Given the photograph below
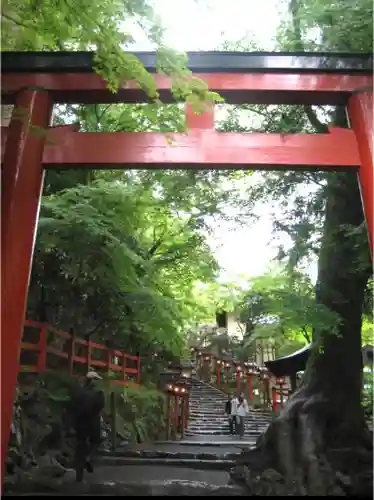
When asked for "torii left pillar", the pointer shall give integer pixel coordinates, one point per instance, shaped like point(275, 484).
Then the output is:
point(21, 189)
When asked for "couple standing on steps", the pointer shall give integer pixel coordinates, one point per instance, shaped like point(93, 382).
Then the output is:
point(236, 410)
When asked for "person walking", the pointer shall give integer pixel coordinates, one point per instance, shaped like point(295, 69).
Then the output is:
point(86, 404)
point(228, 411)
point(234, 413)
point(242, 411)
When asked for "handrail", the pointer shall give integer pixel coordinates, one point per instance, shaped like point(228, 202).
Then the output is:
point(68, 351)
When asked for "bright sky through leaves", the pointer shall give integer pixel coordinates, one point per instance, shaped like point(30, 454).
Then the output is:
point(205, 25)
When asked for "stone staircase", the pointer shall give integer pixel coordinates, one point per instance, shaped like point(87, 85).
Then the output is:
point(207, 416)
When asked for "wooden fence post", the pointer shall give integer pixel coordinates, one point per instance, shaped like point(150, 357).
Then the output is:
point(113, 414)
point(138, 368)
point(124, 364)
point(176, 416)
point(71, 351)
point(183, 416)
point(108, 356)
point(89, 351)
point(168, 413)
point(42, 357)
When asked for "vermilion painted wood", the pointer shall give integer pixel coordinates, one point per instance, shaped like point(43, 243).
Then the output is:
point(202, 149)
point(200, 121)
point(43, 346)
point(22, 181)
point(43, 349)
point(53, 134)
point(250, 387)
point(360, 110)
point(236, 88)
point(22, 174)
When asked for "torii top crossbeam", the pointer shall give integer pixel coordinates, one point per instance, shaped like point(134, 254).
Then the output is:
point(35, 81)
point(240, 77)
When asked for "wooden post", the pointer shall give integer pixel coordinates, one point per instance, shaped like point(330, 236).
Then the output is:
point(113, 414)
point(188, 407)
point(281, 394)
point(89, 351)
point(218, 373)
point(138, 367)
point(250, 386)
point(168, 414)
point(202, 121)
point(108, 359)
point(175, 419)
point(275, 401)
point(266, 391)
point(21, 187)
point(183, 416)
point(360, 112)
point(124, 365)
point(71, 351)
point(42, 357)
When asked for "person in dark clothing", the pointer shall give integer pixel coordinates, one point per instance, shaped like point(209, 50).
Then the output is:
point(230, 416)
point(86, 405)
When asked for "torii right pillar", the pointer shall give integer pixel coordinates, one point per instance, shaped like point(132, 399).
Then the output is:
point(360, 112)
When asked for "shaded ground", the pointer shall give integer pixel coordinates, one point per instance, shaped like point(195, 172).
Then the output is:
point(144, 481)
point(143, 473)
point(165, 469)
point(216, 447)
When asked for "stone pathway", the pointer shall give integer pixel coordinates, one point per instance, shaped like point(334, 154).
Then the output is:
point(197, 465)
point(156, 469)
point(143, 480)
point(218, 440)
point(207, 416)
point(144, 474)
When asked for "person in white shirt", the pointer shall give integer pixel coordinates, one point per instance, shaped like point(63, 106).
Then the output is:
point(234, 412)
point(242, 411)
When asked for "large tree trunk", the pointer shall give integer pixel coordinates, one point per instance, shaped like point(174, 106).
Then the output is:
point(319, 445)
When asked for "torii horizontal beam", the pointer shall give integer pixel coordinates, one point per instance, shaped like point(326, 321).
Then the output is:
point(240, 77)
point(199, 149)
point(235, 88)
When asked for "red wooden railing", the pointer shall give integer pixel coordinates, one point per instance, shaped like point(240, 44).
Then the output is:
point(64, 345)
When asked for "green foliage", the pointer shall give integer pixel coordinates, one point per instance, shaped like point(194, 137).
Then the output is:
point(117, 256)
point(281, 309)
point(107, 28)
point(299, 198)
point(140, 411)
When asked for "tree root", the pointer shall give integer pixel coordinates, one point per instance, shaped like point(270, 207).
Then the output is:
point(302, 453)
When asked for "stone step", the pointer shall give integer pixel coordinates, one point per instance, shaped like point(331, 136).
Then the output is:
point(210, 412)
point(207, 418)
point(218, 419)
point(200, 432)
point(223, 425)
point(221, 411)
point(138, 480)
point(193, 463)
point(206, 396)
point(180, 452)
point(194, 425)
point(224, 429)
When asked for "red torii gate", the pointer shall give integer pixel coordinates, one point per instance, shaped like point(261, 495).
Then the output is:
point(35, 81)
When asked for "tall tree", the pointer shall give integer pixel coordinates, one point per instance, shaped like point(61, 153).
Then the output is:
point(321, 433)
